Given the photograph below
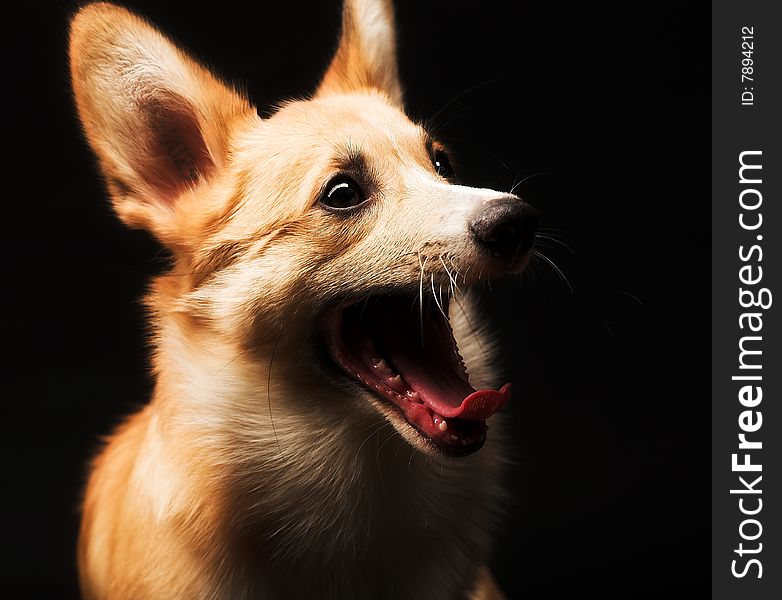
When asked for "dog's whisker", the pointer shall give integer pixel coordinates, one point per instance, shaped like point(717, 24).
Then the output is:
point(364, 306)
point(455, 116)
point(527, 178)
point(366, 439)
point(435, 464)
point(450, 276)
point(454, 283)
point(458, 274)
point(230, 362)
point(421, 294)
point(560, 234)
point(555, 240)
point(466, 274)
point(474, 333)
point(450, 291)
point(515, 179)
point(400, 443)
point(631, 296)
point(456, 279)
point(269, 395)
point(380, 466)
point(440, 306)
point(531, 271)
point(556, 268)
point(488, 152)
point(433, 119)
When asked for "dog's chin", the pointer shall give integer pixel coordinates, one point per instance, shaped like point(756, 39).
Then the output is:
point(403, 352)
point(415, 437)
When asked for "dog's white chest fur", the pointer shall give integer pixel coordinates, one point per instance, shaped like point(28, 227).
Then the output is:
point(328, 503)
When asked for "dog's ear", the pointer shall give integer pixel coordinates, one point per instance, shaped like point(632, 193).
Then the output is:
point(366, 55)
point(159, 123)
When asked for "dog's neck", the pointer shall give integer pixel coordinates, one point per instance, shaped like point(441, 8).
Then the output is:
point(315, 487)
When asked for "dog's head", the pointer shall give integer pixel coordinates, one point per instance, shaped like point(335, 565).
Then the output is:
point(336, 225)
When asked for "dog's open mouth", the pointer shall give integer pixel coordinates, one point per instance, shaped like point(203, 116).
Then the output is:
point(406, 353)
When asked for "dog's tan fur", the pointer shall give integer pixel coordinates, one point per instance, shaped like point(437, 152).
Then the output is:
point(252, 473)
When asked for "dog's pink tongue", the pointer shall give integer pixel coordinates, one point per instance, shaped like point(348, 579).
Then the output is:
point(446, 393)
point(479, 405)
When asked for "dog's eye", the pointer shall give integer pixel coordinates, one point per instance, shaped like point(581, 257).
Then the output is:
point(442, 164)
point(342, 194)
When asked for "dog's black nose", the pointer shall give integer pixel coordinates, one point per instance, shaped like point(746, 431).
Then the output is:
point(505, 228)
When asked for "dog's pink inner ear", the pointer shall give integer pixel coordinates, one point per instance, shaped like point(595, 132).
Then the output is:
point(177, 154)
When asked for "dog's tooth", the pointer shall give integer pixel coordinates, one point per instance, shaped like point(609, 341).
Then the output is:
point(442, 425)
point(395, 382)
point(454, 438)
point(381, 365)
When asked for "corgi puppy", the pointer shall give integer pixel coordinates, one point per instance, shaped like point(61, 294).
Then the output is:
point(319, 426)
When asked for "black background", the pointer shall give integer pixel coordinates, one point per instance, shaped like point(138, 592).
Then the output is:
point(604, 107)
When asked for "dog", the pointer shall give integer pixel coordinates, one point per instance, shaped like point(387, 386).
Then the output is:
point(318, 426)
